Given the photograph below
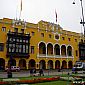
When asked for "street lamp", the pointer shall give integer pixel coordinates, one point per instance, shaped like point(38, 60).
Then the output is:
point(9, 72)
point(82, 19)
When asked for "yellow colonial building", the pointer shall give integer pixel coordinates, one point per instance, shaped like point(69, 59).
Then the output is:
point(43, 45)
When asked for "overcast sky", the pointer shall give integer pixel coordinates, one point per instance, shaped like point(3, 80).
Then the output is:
point(35, 10)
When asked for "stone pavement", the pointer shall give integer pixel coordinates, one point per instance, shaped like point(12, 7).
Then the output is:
point(46, 72)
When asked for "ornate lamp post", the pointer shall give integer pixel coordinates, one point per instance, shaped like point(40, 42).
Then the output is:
point(82, 19)
point(82, 43)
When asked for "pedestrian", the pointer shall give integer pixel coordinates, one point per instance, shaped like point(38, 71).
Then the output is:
point(9, 73)
point(59, 69)
point(73, 70)
point(62, 69)
point(31, 72)
point(41, 72)
point(34, 71)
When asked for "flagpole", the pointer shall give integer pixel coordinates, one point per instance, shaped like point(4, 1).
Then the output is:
point(56, 15)
point(20, 9)
point(20, 15)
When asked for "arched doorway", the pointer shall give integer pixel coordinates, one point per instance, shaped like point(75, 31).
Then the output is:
point(69, 51)
point(49, 49)
point(50, 64)
point(32, 64)
point(22, 64)
point(57, 64)
point(42, 64)
point(63, 50)
point(2, 64)
point(70, 64)
point(57, 49)
point(12, 62)
point(42, 48)
point(64, 64)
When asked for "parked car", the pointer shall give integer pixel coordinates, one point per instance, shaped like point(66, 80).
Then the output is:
point(13, 68)
point(79, 66)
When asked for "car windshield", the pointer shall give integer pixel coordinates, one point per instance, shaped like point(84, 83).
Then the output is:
point(77, 65)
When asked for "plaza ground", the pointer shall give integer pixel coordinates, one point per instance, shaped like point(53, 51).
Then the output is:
point(25, 75)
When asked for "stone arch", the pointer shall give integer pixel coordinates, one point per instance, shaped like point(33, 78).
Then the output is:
point(41, 42)
point(42, 48)
point(57, 64)
point(63, 50)
point(69, 51)
point(57, 49)
point(64, 64)
point(12, 62)
point(32, 64)
point(49, 49)
point(22, 64)
point(70, 64)
point(42, 64)
point(50, 64)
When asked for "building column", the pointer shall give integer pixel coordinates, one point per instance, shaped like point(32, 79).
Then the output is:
point(53, 64)
point(60, 51)
point(66, 52)
point(27, 65)
point(17, 62)
point(38, 51)
point(60, 63)
point(73, 61)
point(6, 64)
point(37, 65)
point(46, 65)
point(67, 65)
point(53, 51)
point(46, 50)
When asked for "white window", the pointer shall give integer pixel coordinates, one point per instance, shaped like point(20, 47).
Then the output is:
point(33, 33)
point(32, 49)
point(20, 48)
point(42, 34)
point(4, 29)
point(57, 36)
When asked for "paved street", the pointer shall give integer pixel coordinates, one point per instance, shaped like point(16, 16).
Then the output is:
point(27, 73)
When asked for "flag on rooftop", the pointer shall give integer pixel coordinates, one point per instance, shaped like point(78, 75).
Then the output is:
point(56, 15)
point(21, 5)
point(20, 9)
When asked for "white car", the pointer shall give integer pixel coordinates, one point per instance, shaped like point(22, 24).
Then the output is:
point(14, 68)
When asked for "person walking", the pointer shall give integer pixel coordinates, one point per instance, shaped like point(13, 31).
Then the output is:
point(41, 72)
point(31, 72)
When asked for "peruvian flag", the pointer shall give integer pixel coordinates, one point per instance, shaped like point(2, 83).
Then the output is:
point(56, 15)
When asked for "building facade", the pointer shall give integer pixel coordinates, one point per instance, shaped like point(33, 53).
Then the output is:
point(82, 51)
point(43, 45)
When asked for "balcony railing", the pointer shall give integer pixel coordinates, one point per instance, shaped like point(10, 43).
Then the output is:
point(41, 55)
point(53, 56)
